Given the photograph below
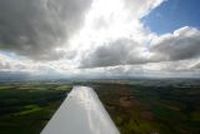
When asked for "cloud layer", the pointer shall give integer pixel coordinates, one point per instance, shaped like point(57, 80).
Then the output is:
point(92, 38)
point(183, 44)
point(118, 52)
point(35, 28)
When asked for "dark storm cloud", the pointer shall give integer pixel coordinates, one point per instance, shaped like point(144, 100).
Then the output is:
point(34, 28)
point(119, 52)
point(183, 44)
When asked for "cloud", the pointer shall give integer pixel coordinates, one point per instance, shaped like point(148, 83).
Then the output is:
point(142, 7)
point(196, 66)
point(35, 28)
point(4, 66)
point(116, 35)
point(8, 64)
point(118, 52)
point(184, 43)
point(93, 38)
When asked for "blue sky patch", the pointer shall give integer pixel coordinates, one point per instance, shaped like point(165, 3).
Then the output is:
point(173, 14)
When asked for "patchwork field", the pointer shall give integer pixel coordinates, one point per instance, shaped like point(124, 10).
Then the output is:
point(136, 106)
point(146, 108)
point(26, 108)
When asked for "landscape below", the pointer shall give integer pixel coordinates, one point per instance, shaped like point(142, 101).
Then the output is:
point(137, 106)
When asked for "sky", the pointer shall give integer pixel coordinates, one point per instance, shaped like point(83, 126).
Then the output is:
point(100, 38)
point(172, 15)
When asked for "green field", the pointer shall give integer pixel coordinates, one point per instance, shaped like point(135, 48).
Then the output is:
point(26, 108)
point(153, 107)
point(136, 106)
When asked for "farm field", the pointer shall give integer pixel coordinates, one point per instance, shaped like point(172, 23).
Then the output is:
point(27, 107)
point(136, 106)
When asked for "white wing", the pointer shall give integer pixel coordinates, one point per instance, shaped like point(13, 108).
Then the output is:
point(81, 113)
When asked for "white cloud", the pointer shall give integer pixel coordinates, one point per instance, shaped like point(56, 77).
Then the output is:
point(107, 38)
point(184, 43)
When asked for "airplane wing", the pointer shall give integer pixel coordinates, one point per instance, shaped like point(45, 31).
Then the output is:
point(81, 113)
